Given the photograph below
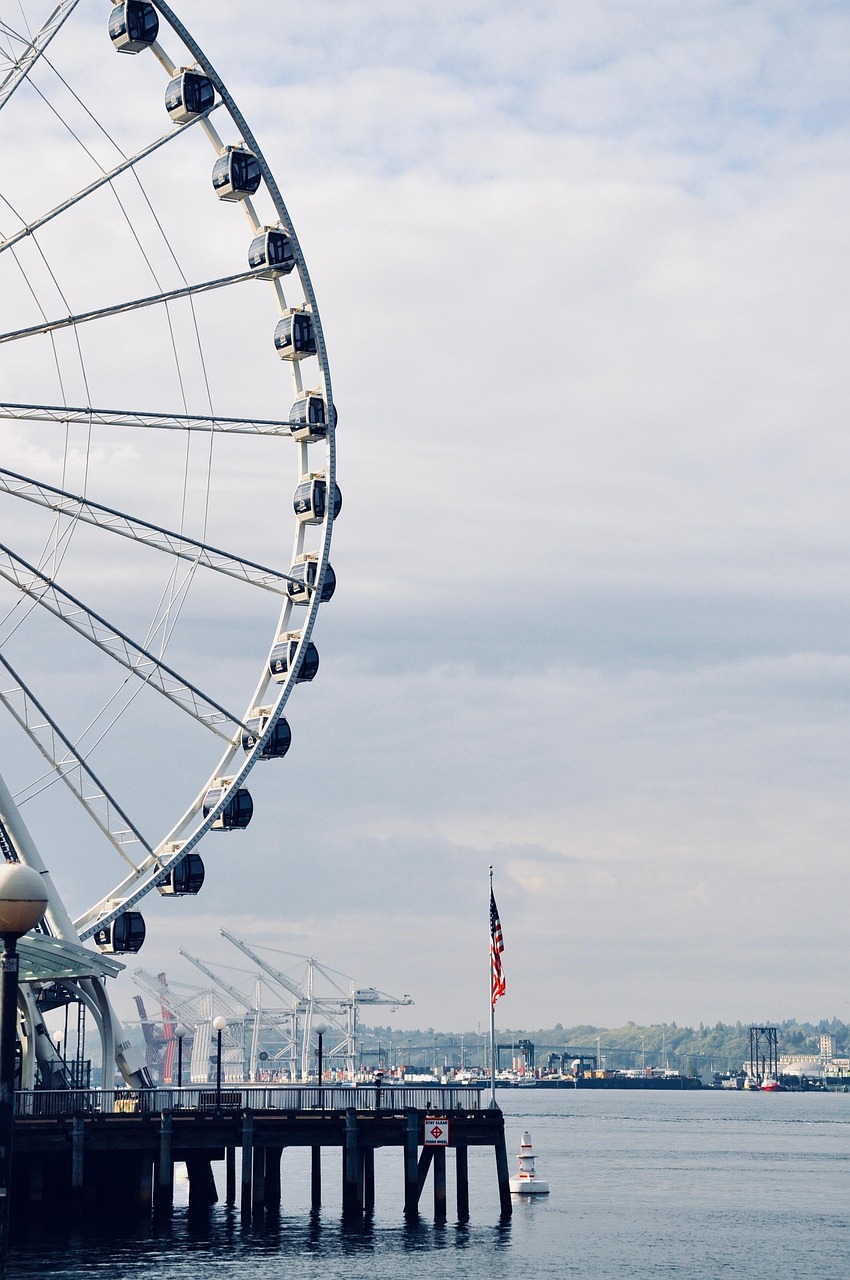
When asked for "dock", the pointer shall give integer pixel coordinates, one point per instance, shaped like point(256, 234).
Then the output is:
point(117, 1149)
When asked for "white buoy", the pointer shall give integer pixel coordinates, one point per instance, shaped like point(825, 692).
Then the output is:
point(526, 1183)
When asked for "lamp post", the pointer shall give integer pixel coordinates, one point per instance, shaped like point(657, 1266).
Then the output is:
point(180, 1034)
point(320, 1028)
point(219, 1024)
point(22, 902)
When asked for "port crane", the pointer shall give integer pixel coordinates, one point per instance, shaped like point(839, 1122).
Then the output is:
point(195, 1015)
point(261, 1030)
point(339, 1011)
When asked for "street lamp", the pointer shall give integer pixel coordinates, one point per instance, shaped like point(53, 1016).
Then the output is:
point(320, 1028)
point(219, 1024)
point(180, 1033)
point(23, 899)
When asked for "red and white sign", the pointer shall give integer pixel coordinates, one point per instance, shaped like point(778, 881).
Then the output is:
point(436, 1131)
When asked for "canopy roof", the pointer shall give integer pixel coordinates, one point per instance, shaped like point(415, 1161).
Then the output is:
point(46, 959)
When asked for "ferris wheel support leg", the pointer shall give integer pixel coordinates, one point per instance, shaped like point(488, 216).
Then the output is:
point(117, 1048)
point(16, 843)
point(31, 1042)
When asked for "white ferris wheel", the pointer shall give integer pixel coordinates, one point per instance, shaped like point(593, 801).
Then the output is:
point(154, 615)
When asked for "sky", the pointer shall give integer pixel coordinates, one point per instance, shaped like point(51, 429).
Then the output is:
point(584, 275)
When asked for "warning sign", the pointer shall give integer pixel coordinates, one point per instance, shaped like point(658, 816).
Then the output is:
point(436, 1131)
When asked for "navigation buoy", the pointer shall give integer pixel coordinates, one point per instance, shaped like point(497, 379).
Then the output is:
point(526, 1183)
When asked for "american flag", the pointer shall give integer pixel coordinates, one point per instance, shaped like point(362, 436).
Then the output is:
point(497, 946)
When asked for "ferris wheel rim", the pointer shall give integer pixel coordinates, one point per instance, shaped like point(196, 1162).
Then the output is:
point(236, 762)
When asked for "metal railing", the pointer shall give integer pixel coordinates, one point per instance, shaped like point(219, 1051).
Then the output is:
point(439, 1098)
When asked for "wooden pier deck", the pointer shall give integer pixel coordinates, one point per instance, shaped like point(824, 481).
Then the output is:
point(88, 1149)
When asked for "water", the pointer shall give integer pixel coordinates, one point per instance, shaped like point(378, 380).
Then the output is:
point(683, 1185)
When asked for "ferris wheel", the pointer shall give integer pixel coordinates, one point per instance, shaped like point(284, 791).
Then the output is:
point(154, 615)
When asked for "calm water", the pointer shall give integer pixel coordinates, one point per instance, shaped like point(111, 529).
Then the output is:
point(673, 1184)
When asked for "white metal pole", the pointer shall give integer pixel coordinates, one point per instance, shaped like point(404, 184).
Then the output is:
point(492, 1006)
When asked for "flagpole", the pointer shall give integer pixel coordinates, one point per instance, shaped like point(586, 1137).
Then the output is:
point(493, 1102)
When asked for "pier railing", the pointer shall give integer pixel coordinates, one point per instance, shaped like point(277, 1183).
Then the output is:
point(438, 1098)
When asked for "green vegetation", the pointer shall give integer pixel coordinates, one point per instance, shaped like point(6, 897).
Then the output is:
point(695, 1050)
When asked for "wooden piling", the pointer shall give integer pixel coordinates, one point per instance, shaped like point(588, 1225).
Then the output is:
point(272, 1193)
point(411, 1172)
point(368, 1156)
point(230, 1175)
point(247, 1161)
point(503, 1173)
point(36, 1181)
point(202, 1188)
point(315, 1177)
point(439, 1183)
point(164, 1194)
point(77, 1161)
point(258, 1191)
point(352, 1181)
point(462, 1182)
point(425, 1161)
point(143, 1179)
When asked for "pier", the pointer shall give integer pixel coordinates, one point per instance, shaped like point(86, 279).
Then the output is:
point(117, 1150)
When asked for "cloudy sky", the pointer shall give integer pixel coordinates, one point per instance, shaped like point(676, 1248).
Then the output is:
point(584, 274)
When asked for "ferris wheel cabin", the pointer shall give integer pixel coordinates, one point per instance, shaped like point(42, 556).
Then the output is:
point(270, 254)
point(236, 174)
point(279, 740)
point(304, 571)
point(188, 95)
point(294, 337)
point(186, 879)
point(236, 813)
point(307, 419)
point(133, 25)
point(283, 657)
point(125, 933)
point(310, 500)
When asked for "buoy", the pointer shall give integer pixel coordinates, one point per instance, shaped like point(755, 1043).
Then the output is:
point(526, 1183)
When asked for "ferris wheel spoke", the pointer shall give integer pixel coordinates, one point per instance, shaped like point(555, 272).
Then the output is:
point(139, 418)
point(116, 643)
point(70, 766)
point(121, 308)
point(217, 799)
point(129, 163)
point(142, 531)
point(34, 48)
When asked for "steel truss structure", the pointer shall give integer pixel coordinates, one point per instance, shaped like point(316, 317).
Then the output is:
point(271, 1031)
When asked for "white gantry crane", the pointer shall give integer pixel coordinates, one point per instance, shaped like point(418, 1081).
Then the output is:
point(263, 1037)
point(255, 1035)
point(339, 1011)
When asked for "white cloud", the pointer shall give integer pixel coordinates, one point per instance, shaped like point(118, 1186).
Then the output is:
point(584, 276)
